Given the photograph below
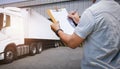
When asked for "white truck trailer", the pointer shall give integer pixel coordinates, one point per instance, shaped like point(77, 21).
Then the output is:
point(23, 31)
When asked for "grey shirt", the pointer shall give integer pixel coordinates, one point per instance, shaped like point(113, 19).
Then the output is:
point(100, 27)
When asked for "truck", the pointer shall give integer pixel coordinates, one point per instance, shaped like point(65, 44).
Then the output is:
point(24, 31)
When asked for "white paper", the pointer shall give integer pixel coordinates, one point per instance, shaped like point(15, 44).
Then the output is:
point(61, 16)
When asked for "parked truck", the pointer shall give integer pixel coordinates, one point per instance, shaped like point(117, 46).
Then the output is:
point(24, 31)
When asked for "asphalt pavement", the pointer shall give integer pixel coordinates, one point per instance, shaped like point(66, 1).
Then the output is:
point(54, 58)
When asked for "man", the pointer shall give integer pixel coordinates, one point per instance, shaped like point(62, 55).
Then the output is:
point(99, 28)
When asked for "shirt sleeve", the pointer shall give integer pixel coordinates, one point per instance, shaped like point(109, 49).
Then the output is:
point(86, 25)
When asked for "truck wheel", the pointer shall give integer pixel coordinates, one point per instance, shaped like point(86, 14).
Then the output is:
point(9, 55)
point(39, 47)
point(57, 44)
point(33, 49)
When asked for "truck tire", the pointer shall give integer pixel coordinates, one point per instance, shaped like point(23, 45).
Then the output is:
point(33, 49)
point(9, 55)
point(57, 44)
point(39, 47)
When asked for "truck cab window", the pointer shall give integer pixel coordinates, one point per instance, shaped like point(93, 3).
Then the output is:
point(1, 20)
point(7, 21)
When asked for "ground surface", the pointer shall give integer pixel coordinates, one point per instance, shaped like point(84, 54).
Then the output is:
point(54, 58)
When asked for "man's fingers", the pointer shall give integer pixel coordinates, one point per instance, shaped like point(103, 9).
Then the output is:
point(57, 22)
point(71, 12)
point(52, 27)
point(70, 16)
point(55, 26)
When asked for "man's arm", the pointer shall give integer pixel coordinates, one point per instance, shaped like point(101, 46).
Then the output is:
point(72, 41)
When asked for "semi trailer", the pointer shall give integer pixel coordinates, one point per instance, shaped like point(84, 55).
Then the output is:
point(24, 31)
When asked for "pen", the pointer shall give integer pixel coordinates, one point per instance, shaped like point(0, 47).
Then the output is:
point(74, 11)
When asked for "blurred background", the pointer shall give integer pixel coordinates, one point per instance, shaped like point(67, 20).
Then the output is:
point(42, 5)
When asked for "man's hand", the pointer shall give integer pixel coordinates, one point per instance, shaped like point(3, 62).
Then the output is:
point(55, 26)
point(74, 16)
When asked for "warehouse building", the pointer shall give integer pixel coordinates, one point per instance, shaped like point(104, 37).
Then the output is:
point(42, 5)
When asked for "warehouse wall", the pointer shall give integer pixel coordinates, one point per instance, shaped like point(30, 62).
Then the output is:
point(42, 5)
point(80, 5)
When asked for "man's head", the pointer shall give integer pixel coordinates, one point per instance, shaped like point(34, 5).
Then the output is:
point(94, 1)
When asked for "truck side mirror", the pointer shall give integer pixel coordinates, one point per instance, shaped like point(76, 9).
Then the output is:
point(1, 20)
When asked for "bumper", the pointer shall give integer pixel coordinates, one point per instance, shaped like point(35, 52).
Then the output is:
point(1, 56)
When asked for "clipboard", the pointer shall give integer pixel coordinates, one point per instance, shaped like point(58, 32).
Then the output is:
point(61, 16)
